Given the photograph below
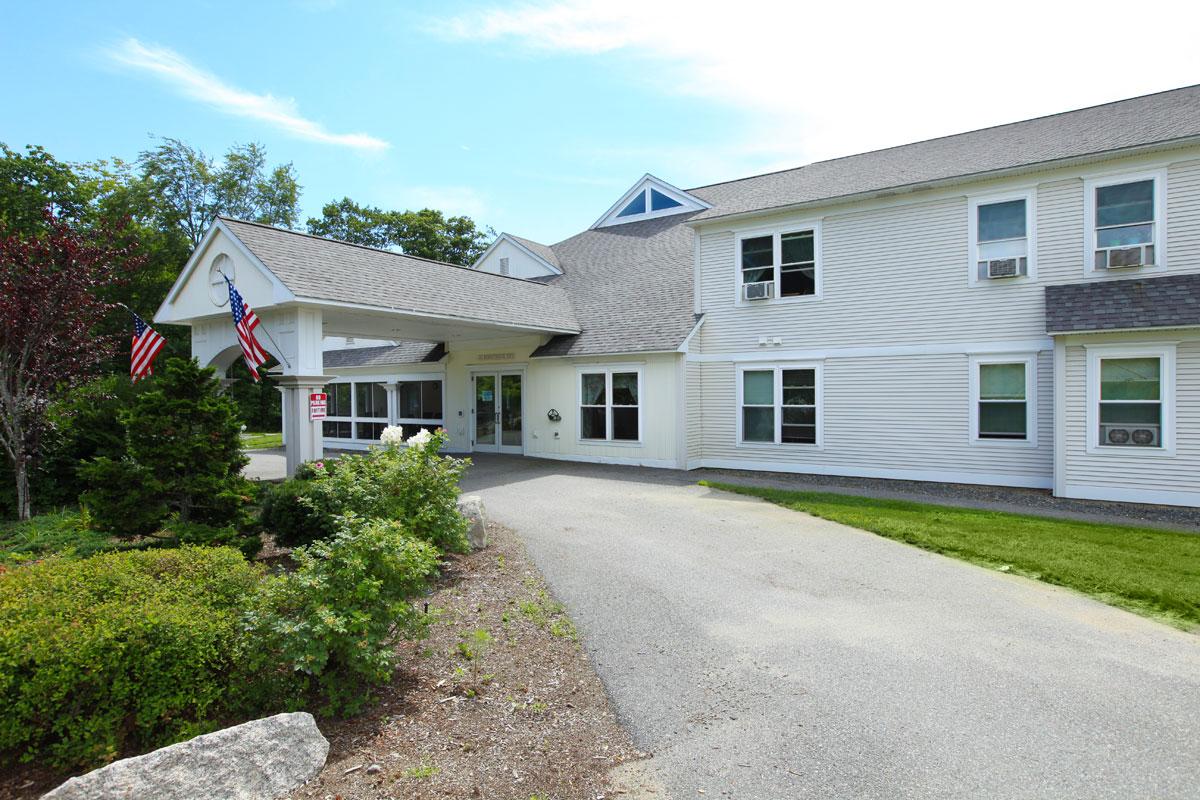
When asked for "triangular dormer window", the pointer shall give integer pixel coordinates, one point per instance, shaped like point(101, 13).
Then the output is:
point(636, 206)
point(649, 198)
point(660, 202)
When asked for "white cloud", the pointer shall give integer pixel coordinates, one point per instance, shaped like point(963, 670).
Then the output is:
point(193, 82)
point(816, 80)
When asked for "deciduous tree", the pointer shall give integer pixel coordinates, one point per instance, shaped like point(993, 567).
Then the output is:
point(50, 307)
point(427, 233)
point(193, 190)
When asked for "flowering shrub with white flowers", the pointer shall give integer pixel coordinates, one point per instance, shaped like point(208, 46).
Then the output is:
point(392, 436)
point(415, 485)
point(421, 439)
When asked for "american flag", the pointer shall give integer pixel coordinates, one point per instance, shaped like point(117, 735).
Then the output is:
point(245, 321)
point(146, 345)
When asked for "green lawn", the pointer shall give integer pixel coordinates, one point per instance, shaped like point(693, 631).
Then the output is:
point(1148, 571)
point(261, 441)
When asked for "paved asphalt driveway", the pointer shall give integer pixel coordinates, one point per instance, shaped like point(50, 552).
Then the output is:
point(761, 653)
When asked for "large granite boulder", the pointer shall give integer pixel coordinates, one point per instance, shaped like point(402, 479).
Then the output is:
point(471, 507)
point(257, 760)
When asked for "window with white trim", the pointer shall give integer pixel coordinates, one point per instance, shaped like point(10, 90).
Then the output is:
point(358, 410)
point(784, 262)
point(1130, 402)
point(1004, 399)
point(1001, 237)
point(419, 405)
point(1131, 398)
point(778, 404)
point(610, 405)
point(1123, 222)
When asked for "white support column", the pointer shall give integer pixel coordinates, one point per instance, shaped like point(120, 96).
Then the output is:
point(393, 401)
point(302, 435)
point(298, 332)
point(283, 416)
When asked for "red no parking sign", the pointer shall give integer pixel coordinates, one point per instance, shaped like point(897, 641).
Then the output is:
point(316, 406)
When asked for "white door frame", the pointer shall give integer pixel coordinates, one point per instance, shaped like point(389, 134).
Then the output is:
point(498, 373)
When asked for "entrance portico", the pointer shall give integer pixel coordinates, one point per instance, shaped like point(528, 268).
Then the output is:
point(305, 289)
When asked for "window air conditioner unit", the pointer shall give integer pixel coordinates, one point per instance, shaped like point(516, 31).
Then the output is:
point(1141, 255)
point(1130, 435)
point(1005, 267)
point(762, 290)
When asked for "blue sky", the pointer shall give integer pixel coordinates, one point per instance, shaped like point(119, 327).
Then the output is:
point(534, 117)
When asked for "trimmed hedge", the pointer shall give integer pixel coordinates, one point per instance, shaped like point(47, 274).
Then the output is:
point(110, 655)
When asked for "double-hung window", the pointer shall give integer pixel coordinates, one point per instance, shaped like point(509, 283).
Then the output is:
point(779, 404)
point(1001, 232)
point(1124, 224)
point(610, 405)
point(780, 264)
point(1130, 397)
point(1003, 390)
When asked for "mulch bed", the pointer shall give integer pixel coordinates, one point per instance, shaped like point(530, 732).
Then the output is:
point(526, 718)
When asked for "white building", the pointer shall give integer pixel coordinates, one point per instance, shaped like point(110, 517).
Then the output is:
point(1017, 306)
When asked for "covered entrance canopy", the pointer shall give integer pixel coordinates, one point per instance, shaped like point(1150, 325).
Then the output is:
point(305, 288)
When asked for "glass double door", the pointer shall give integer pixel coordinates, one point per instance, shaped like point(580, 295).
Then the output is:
point(497, 412)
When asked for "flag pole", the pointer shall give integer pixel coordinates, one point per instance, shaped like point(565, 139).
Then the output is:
point(264, 327)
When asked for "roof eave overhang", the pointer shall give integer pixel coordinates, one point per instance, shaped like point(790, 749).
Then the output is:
point(613, 354)
point(941, 183)
point(1141, 329)
point(412, 312)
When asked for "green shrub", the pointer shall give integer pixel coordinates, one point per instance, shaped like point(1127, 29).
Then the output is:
point(335, 619)
point(114, 654)
point(199, 534)
point(124, 498)
point(416, 486)
point(419, 487)
point(298, 512)
point(184, 457)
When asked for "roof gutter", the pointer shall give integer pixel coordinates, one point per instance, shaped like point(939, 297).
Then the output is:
point(969, 177)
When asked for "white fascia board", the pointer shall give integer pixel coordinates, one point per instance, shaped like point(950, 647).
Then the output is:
point(430, 315)
point(1146, 329)
point(689, 203)
point(280, 294)
point(941, 183)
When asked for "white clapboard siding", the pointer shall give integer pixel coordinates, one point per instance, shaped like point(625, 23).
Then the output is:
point(904, 416)
point(1117, 474)
point(899, 274)
point(695, 413)
point(1183, 217)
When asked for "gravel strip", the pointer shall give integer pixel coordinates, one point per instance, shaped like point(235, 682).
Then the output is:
point(995, 498)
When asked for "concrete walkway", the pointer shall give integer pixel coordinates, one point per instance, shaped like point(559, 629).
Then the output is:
point(761, 653)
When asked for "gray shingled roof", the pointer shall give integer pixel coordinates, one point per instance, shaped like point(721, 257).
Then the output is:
point(1171, 301)
point(1152, 119)
point(542, 251)
point(385, 355)
point(325, 269)
point(631, 285)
